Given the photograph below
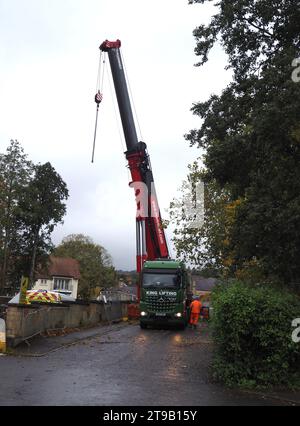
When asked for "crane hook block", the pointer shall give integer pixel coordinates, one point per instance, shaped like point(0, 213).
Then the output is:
point(107, 45)
point(98, 97)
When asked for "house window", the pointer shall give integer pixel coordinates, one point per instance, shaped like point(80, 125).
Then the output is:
point(62, 284)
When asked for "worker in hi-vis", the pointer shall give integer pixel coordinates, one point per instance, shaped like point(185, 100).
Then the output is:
point(195, 308)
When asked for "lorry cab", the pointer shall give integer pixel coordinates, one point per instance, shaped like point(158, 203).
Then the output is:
point(163, 293)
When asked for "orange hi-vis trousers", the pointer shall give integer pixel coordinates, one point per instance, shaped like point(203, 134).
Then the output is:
point(194, 318)
point(195, 311)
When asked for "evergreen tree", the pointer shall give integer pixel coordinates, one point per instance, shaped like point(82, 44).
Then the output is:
point(15, 173)
point(41, 208)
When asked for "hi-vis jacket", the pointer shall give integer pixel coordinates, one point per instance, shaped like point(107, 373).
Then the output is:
point(196, 306)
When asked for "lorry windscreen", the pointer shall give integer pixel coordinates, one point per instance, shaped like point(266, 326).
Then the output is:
point(161, 280)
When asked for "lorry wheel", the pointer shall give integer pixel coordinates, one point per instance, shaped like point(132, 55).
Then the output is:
point(143, 326)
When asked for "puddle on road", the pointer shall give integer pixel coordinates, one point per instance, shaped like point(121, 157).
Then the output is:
point(181, 340)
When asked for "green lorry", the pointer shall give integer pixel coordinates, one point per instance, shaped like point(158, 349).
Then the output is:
point(164, 294)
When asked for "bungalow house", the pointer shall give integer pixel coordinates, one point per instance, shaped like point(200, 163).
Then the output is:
point(62, 275)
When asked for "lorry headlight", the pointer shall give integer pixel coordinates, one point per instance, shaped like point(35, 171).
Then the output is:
point(178, 315)
point(143, 314)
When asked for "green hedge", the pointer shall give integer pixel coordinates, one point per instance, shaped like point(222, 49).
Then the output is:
point(253, 334)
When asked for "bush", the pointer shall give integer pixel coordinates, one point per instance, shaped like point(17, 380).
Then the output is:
point(252, 327)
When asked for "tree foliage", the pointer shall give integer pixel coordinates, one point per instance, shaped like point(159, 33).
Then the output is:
point(252, 32)
point(32, 204)
point(204, 246)
point(96, 268)
point(15, 174)
point(41, 208)
point(251, 132)
point(252, 326)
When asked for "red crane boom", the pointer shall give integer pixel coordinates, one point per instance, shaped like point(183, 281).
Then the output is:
point(150, 236)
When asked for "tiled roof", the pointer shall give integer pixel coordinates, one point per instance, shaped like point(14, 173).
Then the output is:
point(60, 267)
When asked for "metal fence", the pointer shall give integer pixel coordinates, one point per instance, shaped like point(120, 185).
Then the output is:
point(116, 296)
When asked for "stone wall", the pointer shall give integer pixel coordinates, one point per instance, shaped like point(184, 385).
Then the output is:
point(26, 321)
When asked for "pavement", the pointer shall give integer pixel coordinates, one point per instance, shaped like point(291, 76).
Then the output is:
point(43, 345)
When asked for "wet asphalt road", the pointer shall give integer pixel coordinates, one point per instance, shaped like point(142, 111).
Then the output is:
point(125, 366)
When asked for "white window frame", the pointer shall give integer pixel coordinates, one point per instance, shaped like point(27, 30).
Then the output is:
point(62, 283)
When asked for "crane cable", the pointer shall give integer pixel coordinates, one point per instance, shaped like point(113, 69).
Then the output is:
point(98, 96)
point(117, 116)
point(131, 96)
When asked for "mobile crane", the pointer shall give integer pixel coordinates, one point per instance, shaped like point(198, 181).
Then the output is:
point(163, 282)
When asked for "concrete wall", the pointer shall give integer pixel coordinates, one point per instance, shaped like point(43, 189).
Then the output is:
point(25, 321)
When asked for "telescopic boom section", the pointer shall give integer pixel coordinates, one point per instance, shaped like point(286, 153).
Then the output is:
point(150, 235)
point(115, 60)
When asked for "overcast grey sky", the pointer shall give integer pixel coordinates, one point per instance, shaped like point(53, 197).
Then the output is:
point(49, 59)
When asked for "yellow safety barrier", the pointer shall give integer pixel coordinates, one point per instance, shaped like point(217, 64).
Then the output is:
point(42, 296)
point(24, 287)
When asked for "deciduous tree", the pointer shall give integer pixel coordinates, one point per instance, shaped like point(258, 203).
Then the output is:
point(206, 245)
point(96, 268)
point(250, 132)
